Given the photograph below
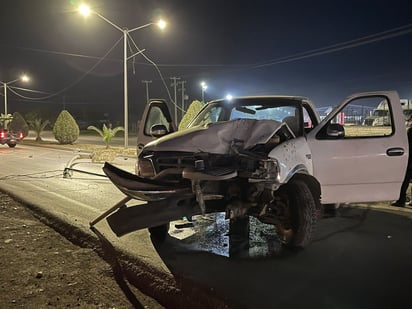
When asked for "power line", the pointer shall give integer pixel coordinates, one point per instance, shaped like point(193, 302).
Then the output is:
point(75, 82)
point(60, 53)
point(376, 37)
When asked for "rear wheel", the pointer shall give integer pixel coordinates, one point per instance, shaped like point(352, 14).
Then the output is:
point(11, 145)
point(159, 233)
point(298, 214)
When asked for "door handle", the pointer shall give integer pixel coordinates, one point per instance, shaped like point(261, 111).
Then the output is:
point(397, 151)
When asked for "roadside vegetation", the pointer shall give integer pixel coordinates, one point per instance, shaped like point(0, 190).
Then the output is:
point(106, 133)
point(65, 129)
point(5, 120)
point(18, 124)
point(38, 126)
point(193, 109)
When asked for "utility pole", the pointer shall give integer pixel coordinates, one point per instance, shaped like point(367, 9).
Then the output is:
point(147, 82)
point(183, 82)
point(174, 84)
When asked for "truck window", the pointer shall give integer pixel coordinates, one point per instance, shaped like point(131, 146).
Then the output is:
point(155, 116)
point(366, 117)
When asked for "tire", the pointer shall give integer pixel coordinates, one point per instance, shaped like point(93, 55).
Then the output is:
point(12, 145)
point(159, 233)
point(302, 214)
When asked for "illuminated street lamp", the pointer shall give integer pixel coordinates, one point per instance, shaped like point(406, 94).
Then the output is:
point(86, 11)
point(23, 78)
point(204, 87)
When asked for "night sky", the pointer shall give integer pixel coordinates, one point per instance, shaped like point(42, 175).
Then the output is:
point(324, 50)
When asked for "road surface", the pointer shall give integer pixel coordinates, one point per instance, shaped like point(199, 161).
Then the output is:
point(362, 258)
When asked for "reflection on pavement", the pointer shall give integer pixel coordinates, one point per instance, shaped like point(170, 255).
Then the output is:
point(210, 233)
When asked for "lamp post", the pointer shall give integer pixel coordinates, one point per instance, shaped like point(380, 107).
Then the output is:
point(23, 78)
point(86, 11)
point(204, 87)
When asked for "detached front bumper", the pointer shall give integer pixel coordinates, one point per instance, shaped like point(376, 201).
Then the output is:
point(142, 188)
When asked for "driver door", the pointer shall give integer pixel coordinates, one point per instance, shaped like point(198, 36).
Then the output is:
point(156, 114)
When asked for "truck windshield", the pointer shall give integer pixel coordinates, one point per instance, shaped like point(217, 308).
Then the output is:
point(288, 111)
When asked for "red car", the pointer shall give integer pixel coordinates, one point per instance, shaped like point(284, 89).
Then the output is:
point(10, 138)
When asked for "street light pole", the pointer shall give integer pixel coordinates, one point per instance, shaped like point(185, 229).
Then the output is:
point(125, 95)
point(5, 98)
point(85, 10)
point(204, 87)
point(24, 78)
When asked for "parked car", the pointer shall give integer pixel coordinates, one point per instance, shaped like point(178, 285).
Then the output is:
point(10, 138)
point(268, 157)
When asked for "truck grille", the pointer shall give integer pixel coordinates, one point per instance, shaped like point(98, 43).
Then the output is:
point(164, 162)
point(153, 163)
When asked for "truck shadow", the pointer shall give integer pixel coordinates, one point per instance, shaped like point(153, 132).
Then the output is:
point(361, 258)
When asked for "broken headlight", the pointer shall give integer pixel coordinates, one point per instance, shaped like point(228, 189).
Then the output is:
point(267, 170)
point(145, 167)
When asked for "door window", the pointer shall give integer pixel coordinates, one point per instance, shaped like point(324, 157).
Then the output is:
point(361, 118)
point(155, 117)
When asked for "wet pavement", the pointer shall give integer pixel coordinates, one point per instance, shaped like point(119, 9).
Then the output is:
point(210, 233)
point(360, 258)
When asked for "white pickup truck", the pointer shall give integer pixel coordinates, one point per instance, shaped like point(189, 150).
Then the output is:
point(269, 157)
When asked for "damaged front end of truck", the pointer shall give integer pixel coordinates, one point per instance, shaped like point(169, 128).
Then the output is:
point(221, 166)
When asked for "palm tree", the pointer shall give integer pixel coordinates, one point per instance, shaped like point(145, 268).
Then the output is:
point(5, 120)
point(38, 126)
point(106, 133)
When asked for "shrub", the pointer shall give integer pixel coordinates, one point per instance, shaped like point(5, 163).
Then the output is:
point(193, 109)
point(65, 129)
point(18, 124)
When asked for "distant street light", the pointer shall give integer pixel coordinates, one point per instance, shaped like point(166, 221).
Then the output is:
point(86, 11)
point(204, 87)
point(229, 97)
point(23, 78)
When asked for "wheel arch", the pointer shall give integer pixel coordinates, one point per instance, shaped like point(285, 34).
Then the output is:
point(313, 185)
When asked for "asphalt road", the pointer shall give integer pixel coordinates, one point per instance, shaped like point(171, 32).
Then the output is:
point(361, 258)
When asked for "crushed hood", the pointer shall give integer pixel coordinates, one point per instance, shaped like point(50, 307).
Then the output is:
point(217, 137)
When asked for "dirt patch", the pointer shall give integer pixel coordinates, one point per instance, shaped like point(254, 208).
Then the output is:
point(40, 268)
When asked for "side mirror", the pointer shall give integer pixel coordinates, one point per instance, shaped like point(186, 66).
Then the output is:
point(158, 130)
point(335, 130)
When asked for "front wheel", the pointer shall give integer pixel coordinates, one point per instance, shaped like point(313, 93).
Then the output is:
point(11, 145)
point(299, 215)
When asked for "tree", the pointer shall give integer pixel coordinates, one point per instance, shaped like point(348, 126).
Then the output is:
point(65, 129)
point(107, 133)
point(18, 124)
point(192, 111)
point(37, 125)
point(5, 120)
